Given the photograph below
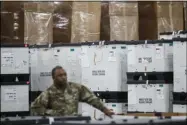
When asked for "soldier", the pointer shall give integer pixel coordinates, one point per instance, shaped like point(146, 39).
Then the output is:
point(62, 97)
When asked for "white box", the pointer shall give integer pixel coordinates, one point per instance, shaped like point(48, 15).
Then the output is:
point(150, 57)
point(69, 58)
point(167, 35)
point(150, 97)
point(104, 67)
point(42, 62)
point(180, 65)
point(179, 108)
point(88, 110)
point(182, 34)
point(171, 35)
point(14, 98)
point(14, 60)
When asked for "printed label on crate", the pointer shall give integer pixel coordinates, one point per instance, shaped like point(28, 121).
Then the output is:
point(145, 60)
point(145, 100)
point(112, 56)
point(160, 93)
point(45, 73)
point(10, 94)
point(159, 52)
point(98, 72)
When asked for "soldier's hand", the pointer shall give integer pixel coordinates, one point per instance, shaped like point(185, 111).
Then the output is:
point(108, 112)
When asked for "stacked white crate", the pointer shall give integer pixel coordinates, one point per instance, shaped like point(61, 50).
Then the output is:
point(41, 62)
point(68, 56)
point(103, 70)
point(146, 57)
point(180, 71)
point(15, 83)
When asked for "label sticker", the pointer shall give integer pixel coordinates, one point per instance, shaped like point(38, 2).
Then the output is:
point(159, 52)
point(160, 93)
point(72, 49)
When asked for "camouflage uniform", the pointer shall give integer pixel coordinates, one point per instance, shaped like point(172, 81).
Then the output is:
point(58, 102)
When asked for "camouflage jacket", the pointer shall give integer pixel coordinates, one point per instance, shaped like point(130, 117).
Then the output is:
point(58, 102)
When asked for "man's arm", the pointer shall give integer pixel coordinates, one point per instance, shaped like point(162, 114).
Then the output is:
point(89, 97)
point(40, 105)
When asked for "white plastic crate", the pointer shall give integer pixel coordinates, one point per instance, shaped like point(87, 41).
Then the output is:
point(18, 101)
point(179, 108)
point(68, 56)
point(151, 56)
point(104, 67)
point(42, 62)
point(87, 110)
point(14, 60)
point(180, 65)
point(150, 97)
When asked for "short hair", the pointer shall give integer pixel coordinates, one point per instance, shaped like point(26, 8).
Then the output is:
point(54, 69)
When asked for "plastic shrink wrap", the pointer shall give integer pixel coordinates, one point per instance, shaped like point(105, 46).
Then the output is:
point(123, 20)
point(38, 22)
point(170, 16)
point(62, 22)
point(85, 21)
point(12, 22)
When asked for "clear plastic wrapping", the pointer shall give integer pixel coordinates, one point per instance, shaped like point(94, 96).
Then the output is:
point(38, 28)
point(123, 9)
point(85, 21)
point(123, 20)
point(38, 22)
point(62, 22)
point(45, 7)
point(170, 16)
point(124, 28)
point(12, 20)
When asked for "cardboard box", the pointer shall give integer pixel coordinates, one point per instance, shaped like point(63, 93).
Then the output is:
point(85, 21)
point(123, 20)
point(62, 22)
point(124, 28)
point(38, 28)
point(169, 9)
point(169, 24)
point(123, 9)
point(170, 16)
point(39, 6)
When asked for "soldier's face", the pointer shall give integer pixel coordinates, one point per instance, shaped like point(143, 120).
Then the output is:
point(60, 76)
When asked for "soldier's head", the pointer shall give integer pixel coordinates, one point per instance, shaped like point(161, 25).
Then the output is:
point(59, 75)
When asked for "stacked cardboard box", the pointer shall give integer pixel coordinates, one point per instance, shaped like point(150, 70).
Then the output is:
point(62, 22)
point(123, 20)
point(38, 22)
point(156, 17)
point(170, 16)
point(47, 22)
point(85, 21)
point(12, 22)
